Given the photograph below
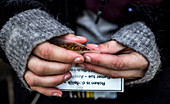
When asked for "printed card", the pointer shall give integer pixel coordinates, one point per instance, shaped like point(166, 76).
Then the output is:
point(84, 80)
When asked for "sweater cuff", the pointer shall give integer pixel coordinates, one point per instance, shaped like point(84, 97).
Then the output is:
point(23, 32)
point(139, 37)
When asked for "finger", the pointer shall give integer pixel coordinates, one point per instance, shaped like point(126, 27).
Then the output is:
point(74, 38)
point(130, 61)
point(110, 47)
point(42, 67)
point(112, 73)
point(54, 53)
point(45, 81)
point(105, 60)
point(47, 91)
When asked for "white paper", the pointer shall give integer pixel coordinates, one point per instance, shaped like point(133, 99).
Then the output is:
point(83, 80)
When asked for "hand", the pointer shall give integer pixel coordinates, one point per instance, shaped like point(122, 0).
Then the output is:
point(49, 66)
point(115, 61)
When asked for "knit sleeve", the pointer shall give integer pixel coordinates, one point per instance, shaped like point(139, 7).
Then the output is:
point(23, 32)
point(140, 38)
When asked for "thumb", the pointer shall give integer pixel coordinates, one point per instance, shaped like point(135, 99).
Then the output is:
point(110, 47)
point(74, 38)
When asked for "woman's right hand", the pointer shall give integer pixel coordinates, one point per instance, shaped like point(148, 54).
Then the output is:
point(49, 66)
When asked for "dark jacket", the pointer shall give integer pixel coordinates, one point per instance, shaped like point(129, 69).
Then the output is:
point(156, 17)
point(66, 12)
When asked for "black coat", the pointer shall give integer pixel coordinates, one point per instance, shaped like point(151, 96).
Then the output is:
point(154, 92)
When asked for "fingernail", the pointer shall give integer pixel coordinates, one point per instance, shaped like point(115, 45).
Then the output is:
point(81, 65)
point(80, 37)
point(96, 45)
point(93, 46)
point(87, 59)
point(57, 94)
point(66, 77)
point(78, 60)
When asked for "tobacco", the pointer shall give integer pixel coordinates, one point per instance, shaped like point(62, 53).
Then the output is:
point(68, 45)
point(73, 47)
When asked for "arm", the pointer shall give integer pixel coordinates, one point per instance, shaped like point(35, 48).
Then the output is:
point(117, 61)
point(139, 37)
point(9, 8)
point(23, 32)
point(23, 39)
point(143, 38)
point(157, 19)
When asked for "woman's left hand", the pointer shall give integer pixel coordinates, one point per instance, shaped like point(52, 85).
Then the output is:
point(115, 61)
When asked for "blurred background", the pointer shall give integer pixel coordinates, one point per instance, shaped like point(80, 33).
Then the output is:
point(6, 83)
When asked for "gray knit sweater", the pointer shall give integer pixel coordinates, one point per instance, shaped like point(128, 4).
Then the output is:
point(140, 38)
point(24, 31)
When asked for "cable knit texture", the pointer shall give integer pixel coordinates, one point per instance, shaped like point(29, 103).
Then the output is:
point(140, 38)
point(23, 32)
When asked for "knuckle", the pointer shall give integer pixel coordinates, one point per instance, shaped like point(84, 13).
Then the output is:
point(117, 64)
point(30, 80)
point(108, 46)
point(113, 42)
point(98, 61)
point(39, 69)
point(66, 59)
point(145, 64)
point(45, 51)
point(66, 56)
point(143, 61)
point(69, 57)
